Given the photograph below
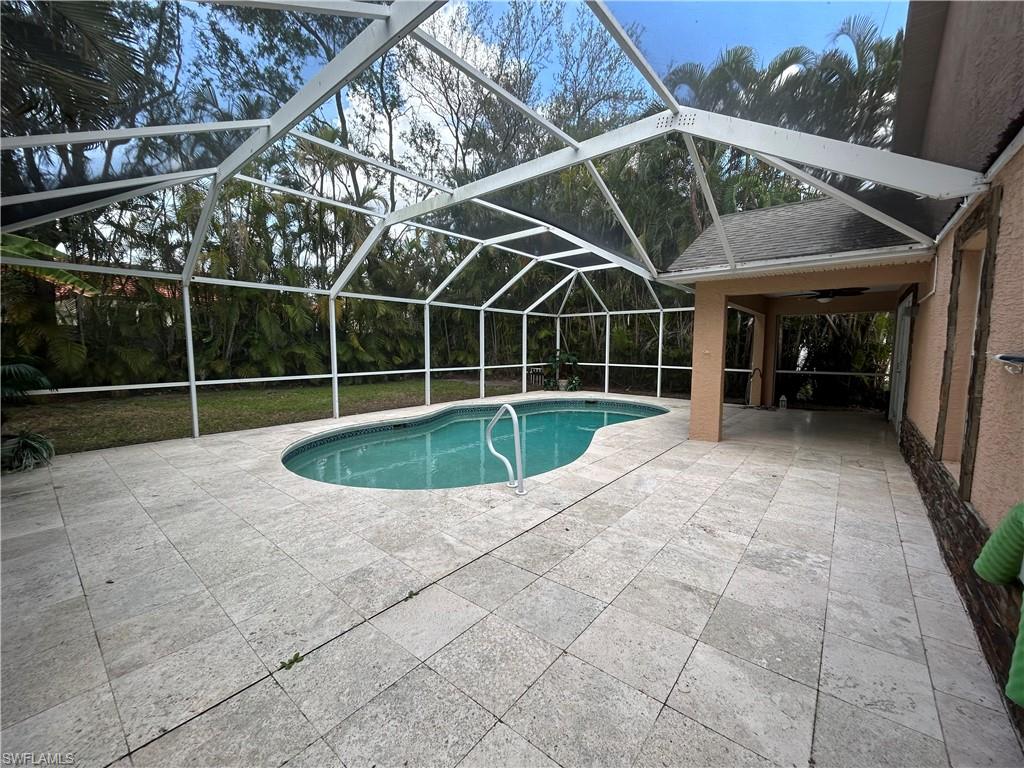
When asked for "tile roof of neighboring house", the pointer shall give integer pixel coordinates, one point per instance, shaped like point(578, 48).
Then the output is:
point(806, 228)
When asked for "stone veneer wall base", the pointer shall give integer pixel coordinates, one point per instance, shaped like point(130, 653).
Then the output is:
point(994, 609)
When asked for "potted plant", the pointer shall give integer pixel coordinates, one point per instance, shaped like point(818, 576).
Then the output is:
point(553, 378)
point(22, 450)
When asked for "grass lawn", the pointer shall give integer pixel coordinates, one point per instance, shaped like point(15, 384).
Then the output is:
point(88, 424)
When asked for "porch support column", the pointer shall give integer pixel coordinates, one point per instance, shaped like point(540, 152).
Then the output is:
point(524, 353)
point(757, 360)
point(426, 354)
point(191, 359)
point(483, 369)
point(332, 323)
point(709, 327)
point(771, 346)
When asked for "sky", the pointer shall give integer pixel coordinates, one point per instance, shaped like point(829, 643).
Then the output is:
point(675, 32)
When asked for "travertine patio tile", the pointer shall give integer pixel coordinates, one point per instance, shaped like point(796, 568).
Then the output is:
point(259, 726)
point(934, 586)
point(484, 532)
point(806, 537)
point(888, 628)
point(334, 557)
point(297, 624)
point(693, 567)
point(606, 564)
point(568, 530)
point(667, 602)
point(552, 612)
point(888, 685)
point(215, 497)
point(494, 662)
point(111, 603)
point(870, 553)
point(337, 679)
point(786, 561)
point(429, 620)
point(251, 593)
point(856, 525)
point(488, 582)
point(925, 556)
point(316, 755)
point(33, 682)
point(28, 628)
point(977, 735)
point(392, 535)
point(581, 716)
point(767, 637)
point(599, 511)
point(379, 585)
point(801, 597)
point(85, 726)
point(437, 555)
point(153, 699)
point(846, 736)
point(678, 741)
point(420, 720)
point(634, 650)
point(504, 748)
point(822, 516)
point(946, 621)
point(765, 712)
point(229, 561)
point(534, 552)
point(962, 672)
point(120, 566)
point(889, 585)
point(143, 639)
point(711, 540)
point(729, 516)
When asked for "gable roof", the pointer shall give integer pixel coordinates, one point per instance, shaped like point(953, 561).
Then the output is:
point(805, 228)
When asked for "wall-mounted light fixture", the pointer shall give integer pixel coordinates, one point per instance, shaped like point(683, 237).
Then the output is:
point(1013, 363)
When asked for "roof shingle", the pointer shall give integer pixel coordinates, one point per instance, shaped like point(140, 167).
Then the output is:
point(806, 228)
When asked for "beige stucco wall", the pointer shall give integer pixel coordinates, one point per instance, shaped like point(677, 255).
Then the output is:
point(975, 95)
point(999, 464)
point(966, 314)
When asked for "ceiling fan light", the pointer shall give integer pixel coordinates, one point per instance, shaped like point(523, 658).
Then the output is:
point(823, 299)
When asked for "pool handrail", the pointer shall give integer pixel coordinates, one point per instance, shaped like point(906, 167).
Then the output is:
point(512, 477)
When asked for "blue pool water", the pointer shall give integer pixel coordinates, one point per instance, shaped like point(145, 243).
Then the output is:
point(448, 449)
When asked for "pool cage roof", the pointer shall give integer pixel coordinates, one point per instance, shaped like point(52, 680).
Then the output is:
point(787, 150)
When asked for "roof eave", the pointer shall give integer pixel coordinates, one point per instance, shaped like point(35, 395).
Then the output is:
point(904, 254)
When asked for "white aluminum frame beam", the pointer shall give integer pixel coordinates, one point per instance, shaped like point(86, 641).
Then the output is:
point(104, 186)
point(349, 8)
point(356, 262)
point(501, 291)
point(120, 134)
point(633, 53)
point(564, 234)
point(620, 216)
point(843, 197)
point(547, 294)
point(472, 255)
point(702, 179)
point(651, 76)
point(310, 196)
point(94, 204)
point(473, 73)
point(379, 37)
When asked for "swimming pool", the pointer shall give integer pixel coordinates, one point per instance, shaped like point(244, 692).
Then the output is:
point(447, 449)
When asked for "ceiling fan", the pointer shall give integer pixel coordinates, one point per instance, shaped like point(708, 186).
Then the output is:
point(825, 296)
